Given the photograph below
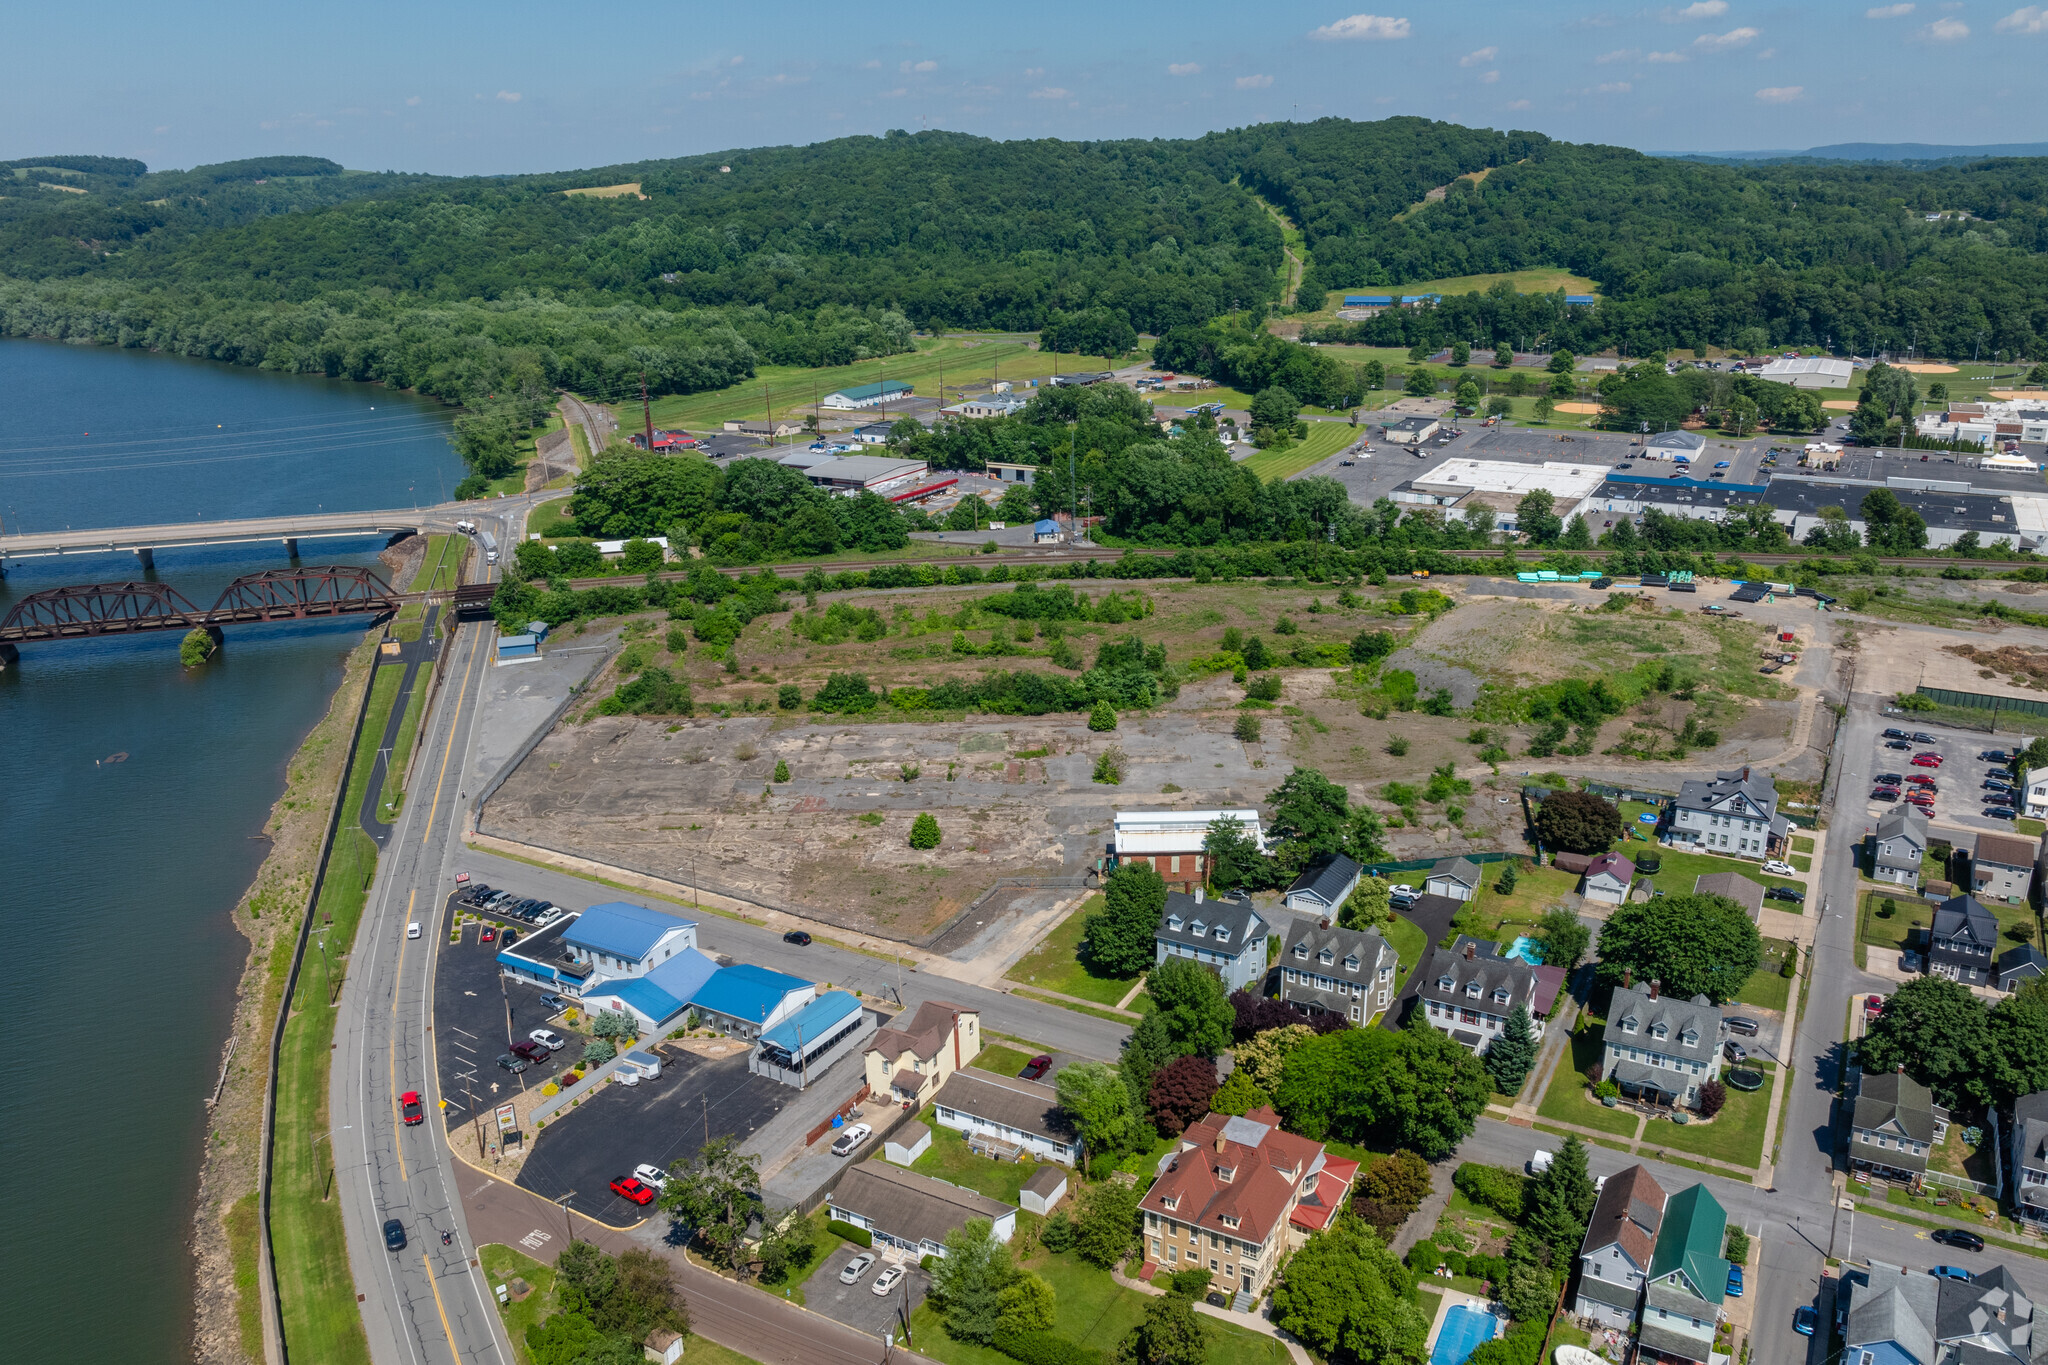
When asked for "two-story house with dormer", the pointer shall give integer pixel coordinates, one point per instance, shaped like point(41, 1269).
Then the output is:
point(1899, 848)
point(1660, 1050)
point(1621, 1238)
point(1468, 990)
point(2029, 1164)
point(1337, 971)
point(1894, 1316)
point(1736, 814)
point(1961, 941)
point(1687, 1283)
point(1229, 938)
point(1236, 1196)
point(1894, 1125)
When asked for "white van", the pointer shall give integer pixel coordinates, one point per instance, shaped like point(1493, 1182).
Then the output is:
point(413, 930)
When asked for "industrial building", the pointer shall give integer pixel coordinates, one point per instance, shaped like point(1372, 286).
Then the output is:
point(1808, 372)
point(853, 473)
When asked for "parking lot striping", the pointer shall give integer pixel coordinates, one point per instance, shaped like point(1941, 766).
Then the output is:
point(434, 1285)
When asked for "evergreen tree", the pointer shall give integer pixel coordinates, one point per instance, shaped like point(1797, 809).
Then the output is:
point(924, 831)
point(1558, 1202)
point(1513, 1052)
point(1103, 717)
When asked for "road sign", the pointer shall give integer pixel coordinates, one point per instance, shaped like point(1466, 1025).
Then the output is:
point(507, 1121)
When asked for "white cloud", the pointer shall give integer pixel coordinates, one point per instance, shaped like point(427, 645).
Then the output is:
point(1946, 31)
point(1780, 94)
point(1253, 82)
point(870, 66)
point(1034, 71)
point(1050, 92)
point(2025, 19)
point(412, 100)
point(1184, 69)
point(1518, 104)
point(926, 65)
point(1489, 78)
point(1479, 58)
point(1364, 27)
point(898, 93)
point(1613, 88)
point(510, 96)
point(1724, 42)
point(1667, 57)
point(700, 94)
point(1887, 11)
point(1620, 54)
point(1704, 9)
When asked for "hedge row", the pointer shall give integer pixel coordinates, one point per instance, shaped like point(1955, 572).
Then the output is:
point(858, 1236)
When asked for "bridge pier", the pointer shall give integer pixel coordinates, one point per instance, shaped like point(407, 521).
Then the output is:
point(148, 558)
point(291, 546)
point(9, 657)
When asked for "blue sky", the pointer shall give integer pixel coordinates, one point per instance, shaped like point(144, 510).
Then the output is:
point(463, 88)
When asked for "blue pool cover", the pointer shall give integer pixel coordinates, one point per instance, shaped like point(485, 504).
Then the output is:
point(1463, 1330)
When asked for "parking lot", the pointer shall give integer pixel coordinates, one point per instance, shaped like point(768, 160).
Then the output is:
point(1959, 794)
point(857, 1305)
point(479, 1012)
point(656, 1122)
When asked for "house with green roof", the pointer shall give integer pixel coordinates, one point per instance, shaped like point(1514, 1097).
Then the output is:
point(1688, 1281)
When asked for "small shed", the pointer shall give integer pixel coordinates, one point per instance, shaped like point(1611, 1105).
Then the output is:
point(1324, 885)
point(1046, 1187)
point(515, 648)
point(2015, 969)
point(1574, 863)
point(1607, 878)
point(1457, 878)
point(663, 1346)
point(910, 1141)
point(644, 1062)
point(1045, 532)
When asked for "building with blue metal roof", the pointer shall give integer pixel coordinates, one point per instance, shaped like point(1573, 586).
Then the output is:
point(746, 1000)
point(660, 996)
point(813, 1038)
point(622, 939)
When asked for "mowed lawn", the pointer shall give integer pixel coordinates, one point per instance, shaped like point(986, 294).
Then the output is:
point(1055, 964)
point(1566, 1102)
point(1736, 1134)
point(951, 1161)
point(1324, 440)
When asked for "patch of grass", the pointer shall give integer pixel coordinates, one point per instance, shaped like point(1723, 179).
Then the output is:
point(2033, 828)
point(501, 1265)
point(1491, 914)
point(402, 743)
point(824, 1246)
point(1055, 964)
point(1114, 1017)
point(244, 1246)
point(550, 520)
point(1766, 989)
point(440, 565)
point(1004, 1061)
point(1566, 1100)
point(1407, 940)
point(1324, 440)
point(950, 1160)
point(1802, 843)
point(1801, 861)
point(1736, 1134)
point(1608, 1143)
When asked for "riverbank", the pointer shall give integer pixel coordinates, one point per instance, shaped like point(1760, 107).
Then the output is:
point(227, 1326)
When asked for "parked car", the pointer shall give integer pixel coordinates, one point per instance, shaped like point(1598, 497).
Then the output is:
point(476, 895)
point(1897, 744)
point(1927, 760)
point(1735, 1281)
point(850, 1139)
point(1995, 756)
point(1922, 737)
point(1035, 1068)
point(1958, 1237)
point(2000, 813)
point(1873, 1005)
point(409, 1108)
point(798, 937)
point(489, 935)
point(1778, 868)
point(630, 1188)
point(1951, 1272)
point(1885, 794)
point(1924, 782)
point(512, 1062)
point(549, 1039)
point(508, 938)
point(1992, 784)
point(394, 1235)
point(1803, 1321)
point(1743, 1025)
point(530, 1050)
point(1896, 734)
point(888, 1280)
point(1540, 1162)
point(1734, 1051)
point(554, 1002)
point(651, 1175)
point(1720, 464)
point(1786, 893)
point(856, 1268)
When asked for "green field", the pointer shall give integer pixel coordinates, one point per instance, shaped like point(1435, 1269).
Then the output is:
point(1055, 964)
point(951, 1161)
point(1736, 1134)
point(1566, 1100)
point(1542, 280)
point(1324, 440)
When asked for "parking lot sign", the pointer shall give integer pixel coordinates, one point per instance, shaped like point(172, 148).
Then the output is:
point(507, 1121)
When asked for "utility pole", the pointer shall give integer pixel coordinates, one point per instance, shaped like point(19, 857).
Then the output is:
point(568, 1219)
point(646, 412)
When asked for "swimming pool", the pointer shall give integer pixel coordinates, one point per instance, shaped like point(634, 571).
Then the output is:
point(1464, 1329)
point(1529, 950)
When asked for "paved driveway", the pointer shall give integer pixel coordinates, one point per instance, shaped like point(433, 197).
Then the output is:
point(857, 1305)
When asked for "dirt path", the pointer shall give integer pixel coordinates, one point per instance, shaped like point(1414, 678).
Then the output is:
point(1296, 266)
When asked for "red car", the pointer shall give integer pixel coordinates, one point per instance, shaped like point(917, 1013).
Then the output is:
point(1927, 760)
point(409, 1108)
point(1921, 801)
point(1873, 1005)
point(627, 1187)
point(1035, 1068)
point(489, 935)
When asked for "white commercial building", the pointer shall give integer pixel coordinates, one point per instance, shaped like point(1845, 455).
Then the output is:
point(1809, 372)
point(853, 473)
point(1989, 423)
point(1172, 840)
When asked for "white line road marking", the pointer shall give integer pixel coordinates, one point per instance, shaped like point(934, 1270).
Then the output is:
point(534, 1240)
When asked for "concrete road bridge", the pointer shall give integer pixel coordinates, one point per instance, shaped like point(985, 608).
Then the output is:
point(144, 541)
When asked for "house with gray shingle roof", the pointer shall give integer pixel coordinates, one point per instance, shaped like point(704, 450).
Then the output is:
point(1227, 937)
point(1735, 887)
point(1469, 989)
point(1339, 971)
point(2030, 1156)
point(1894, 1125)
point(1658, 1049)
point(1961, 940)
point(1894, 1316)
point(1899, 846)
point(1736, 813)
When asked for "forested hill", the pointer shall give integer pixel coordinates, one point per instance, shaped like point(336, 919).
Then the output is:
point(832, 252)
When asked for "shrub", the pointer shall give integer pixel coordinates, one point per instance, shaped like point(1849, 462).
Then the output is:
point(1103, 717)
point(1247, 729)
point(597, 1052)
point(924, 831)
point(1397, 746)
point(1045, 1348)
point(1712, 1096)
point(789, 697)
point(1109, 768)
point(781, 771)
point(1738, 1245)
point(1057, 1232)
point(857, 1236)
point(1285, 626)
point(1491, 1187)
point(1608, 1090)
point(1425, 1256)
point(1189, 1284)
point(1887, 907)
point(1265, 687)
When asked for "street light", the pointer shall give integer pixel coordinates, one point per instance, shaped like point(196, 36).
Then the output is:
point(313, 1147)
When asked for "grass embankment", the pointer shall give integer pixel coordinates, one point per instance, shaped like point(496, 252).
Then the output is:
point(523, 454)
point(402, 743)
point(439, 568)
point(321, 1321)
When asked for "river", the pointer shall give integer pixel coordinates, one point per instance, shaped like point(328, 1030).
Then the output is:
point(120, 877)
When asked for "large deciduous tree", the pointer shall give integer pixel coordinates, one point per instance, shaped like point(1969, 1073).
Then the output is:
point(1564, 939)
point(1938, 1032)
point(1121, 934)
point(1578, 822)
point(1191, 998)
point(1108, 1222)
point(1170, 1334)
point(1099, 1103)
point(717, 1192)
point(1692, 944)
point(1234, 857)
point(1346, 1298)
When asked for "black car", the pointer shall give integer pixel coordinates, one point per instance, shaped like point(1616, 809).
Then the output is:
point(1995, 756)
point(1885, 794)
point(508, 938)
point(798, 937)
point(1897, 734)
point(511, 1063)
point(1958, 1237)
point(1992, 784)
point(1786, 893)
point(2000, 813)
point(476, 895)
point(394, 1235)
point(1888, 779)
point(1922, 737)
point(1897, 744)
